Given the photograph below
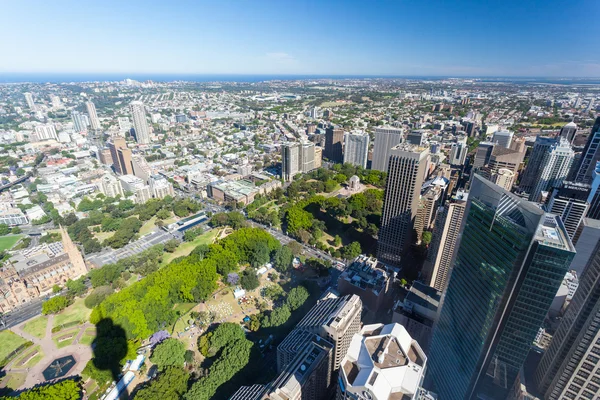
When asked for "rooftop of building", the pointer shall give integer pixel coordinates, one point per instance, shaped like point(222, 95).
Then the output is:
point(385, 360)
point(424, 296)
point(367, 273)
point(551, 232)
point(236, 189)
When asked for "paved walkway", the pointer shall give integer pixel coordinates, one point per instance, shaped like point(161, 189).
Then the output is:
point(81, 353)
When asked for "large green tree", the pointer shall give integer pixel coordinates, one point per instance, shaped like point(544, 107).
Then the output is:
point(169, 353)
point(170, 384)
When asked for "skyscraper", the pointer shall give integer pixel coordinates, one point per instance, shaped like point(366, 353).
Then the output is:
point(29, 100)
point(356, 149)
point(510, 262)
point(334, 138)
point(570, 366)
point(503, 138)
point(121, 156)
point(482, 155)
point(568, 131)
point(594, 197)
point(296, 158)
point(406, 172)
point(458, 153)
point(548, 166)
point(138, 114)
point(91, 109)
point(385, 139)
point(590, 155)
point(444, 239)
point(79, 123)
point(569, 202)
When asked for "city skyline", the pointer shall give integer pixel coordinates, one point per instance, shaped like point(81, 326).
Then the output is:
point(391, 39)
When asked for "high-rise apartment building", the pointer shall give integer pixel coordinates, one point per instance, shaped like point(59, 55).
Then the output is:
point(503, 138)
point(138, 114)
point(91, 109)
point(511, 260)
point(458, 153)
point(548, 166)
point(385, 139)
point(570, 367)
point(569, 202)
point(504, 178)
point(121, 156)
point(356, 149)
point(406, 171)
point(55, 100)
point(298, 158)
point(79, 122)
point(110, 186)
point(590, 155)
point(444, 240)
point(383, 363)
point(586, 244)
point(160, 187)
point(568, 131)
point(137, 186)
point(430, 200)
point(29, 100)
point(334, 318)
point(334, 141)
point(140, 167)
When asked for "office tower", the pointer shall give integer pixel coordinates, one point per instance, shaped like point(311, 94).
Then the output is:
point(356, 149)
point(121, 156)
point(458, 153)
point(307, 157)
point(570, 367)
point(334, 318)
point(568, 131)
point(502, 158)
point(385, 139)
point(290, 160)
point(428, 205)
point(417, 138)
point(510, 262)
point(417, 312)
point(569, 202)
point(548, 166)
point(482, 155)
point(503, 138)
point(160, 187)
point(594, 197)
point(383, 362)
point(406, 170)
point(444, 240)
point(590, 155)
point(503, 178)
point(105, 156)
point(110, 186)
point(367, 278)
point(586, 244)
point(79, 122)
point(46, 132)
point(318, 157)
point(138, 114)
point(140, 167)
point(29, 100)
point(137, 186)
point(518, 145)
point(334, 138)
point(91, 109)
point(308, 376)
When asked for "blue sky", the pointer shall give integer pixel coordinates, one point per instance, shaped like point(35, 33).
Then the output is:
point(420, 37)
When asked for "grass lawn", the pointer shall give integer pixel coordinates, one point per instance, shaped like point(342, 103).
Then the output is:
point(66, 333)
point(36, 327)
point(75, 312)
point(186, 248)
point(169, 221)
point(102, 236)
point(184, 310)
point(148, 226)
point(7, 242)
point(88, 337)
point(27, 355)
point(15, 380)
point(9, 341)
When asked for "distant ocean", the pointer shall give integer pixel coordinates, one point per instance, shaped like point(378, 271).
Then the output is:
point(91, 77)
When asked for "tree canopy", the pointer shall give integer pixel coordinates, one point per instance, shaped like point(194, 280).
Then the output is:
point(169, 353)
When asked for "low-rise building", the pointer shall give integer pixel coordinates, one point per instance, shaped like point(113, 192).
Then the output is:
point(367, 278)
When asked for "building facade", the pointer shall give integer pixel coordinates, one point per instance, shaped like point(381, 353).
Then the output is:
point(334, 142)
point(511, 259)
point(590, 155)
point(385, 139)
point(569, 202)
point(356, 149)
point(138, 114)
point(94, 121)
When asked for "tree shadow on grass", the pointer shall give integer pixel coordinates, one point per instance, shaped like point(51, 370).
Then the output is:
point(109, 347)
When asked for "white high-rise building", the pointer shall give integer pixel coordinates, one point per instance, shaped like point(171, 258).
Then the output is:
point(356, 149)
point(385, 139)
point(458, 152)
point(46, 132)
point(160, 187)
point(548, 166)
point(79, 122)
point(124, 125)
point(56, 103)
point(138, 113)
point(29, 100)
point(91, 109)
point(503, 138)
point(110, 186)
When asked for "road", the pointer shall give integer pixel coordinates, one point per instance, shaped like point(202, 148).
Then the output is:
point(22, 313)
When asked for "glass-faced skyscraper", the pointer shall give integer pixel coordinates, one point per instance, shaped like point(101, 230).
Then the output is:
point(511, 259)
